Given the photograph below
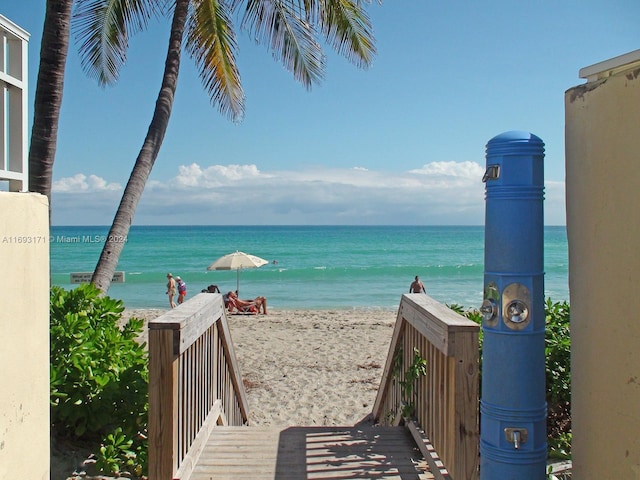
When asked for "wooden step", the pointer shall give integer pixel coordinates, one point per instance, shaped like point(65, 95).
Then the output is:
point(283, 453)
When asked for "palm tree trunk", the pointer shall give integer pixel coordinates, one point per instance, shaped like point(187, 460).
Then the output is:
point(48, 96)
point(146, 158)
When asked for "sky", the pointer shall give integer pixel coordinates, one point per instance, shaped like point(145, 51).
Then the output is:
point(399, 143)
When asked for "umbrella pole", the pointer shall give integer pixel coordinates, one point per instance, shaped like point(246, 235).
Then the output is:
point(238, 282)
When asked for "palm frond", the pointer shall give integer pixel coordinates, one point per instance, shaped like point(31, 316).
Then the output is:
point(102, 29)
point(211, 41)
point(283, 26)
point(348, 29)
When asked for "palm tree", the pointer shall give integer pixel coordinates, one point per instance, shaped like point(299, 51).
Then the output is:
point(290, 28)
point(48, 96)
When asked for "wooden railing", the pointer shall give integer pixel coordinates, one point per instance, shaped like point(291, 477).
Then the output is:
point(440, 407)
point(194, 384)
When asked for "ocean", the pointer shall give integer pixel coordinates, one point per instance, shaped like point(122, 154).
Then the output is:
point(310, 267)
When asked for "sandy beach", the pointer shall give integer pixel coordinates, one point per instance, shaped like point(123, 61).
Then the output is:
point(309, 367)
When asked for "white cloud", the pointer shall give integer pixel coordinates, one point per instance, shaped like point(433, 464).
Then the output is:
point(84, 200)
point(81, 183)
point(451, 169)
point(439, 193)
point(216, 175)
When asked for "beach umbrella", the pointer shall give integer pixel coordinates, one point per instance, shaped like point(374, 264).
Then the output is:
point(237, 261)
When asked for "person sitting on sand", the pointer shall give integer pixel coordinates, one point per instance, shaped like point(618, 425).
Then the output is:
point(233, 302)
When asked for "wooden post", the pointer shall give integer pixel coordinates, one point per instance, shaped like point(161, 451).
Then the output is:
point(163, 390)
point(466, 429)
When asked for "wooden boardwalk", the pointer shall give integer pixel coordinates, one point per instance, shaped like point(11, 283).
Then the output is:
point(198, 410)
point(272, 453)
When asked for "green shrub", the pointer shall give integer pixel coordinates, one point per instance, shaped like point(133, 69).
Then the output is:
point(558, 373)
point(98, 372)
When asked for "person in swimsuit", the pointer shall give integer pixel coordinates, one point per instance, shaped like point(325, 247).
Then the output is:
point(171, 289)
point(182, 290)
point(233, 302)
point(417, 286)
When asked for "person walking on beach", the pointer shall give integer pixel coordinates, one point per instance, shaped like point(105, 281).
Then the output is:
point(417, 286)
point(171, 289)
point(182, 290)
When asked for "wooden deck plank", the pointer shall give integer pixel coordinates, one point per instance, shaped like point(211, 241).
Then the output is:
point(318, 453)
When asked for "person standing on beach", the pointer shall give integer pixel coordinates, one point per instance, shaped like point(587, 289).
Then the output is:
point(417, 286)
point(171, 289)
point(182, 290)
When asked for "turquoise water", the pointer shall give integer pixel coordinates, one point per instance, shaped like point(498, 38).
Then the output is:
point(317, 266)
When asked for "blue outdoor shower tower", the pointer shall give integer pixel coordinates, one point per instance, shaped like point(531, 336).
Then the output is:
point(513, 408)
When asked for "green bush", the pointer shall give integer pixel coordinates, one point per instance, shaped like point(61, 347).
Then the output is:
point(558, 373)
point(98, 372)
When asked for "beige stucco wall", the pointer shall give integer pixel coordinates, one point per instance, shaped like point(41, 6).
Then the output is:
point(24, 333)
point(603, 226)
